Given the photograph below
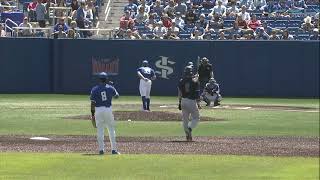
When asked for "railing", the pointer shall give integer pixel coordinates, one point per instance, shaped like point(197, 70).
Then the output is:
point(49, 31)
point(52, 12)
point(8, 27)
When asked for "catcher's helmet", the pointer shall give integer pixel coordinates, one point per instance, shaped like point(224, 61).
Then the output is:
point(103, 75)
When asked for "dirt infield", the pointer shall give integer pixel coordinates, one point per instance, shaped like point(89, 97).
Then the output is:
point(259, 146)
point(145, 116)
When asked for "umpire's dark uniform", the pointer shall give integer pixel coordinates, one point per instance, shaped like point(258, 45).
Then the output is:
point(205, 73)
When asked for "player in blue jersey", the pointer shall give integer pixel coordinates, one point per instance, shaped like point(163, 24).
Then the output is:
point(146, 75)
point(101, 112)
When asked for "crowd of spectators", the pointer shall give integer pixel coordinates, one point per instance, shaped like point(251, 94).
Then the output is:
point(220, 19)
point(63, 18)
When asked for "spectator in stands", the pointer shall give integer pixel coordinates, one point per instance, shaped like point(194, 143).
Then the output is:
point(268, 29)
point(60, 33)
point(247, 3)
point(208, 35)
point(286, 35)
point(196, 4)
point(159, 31)
point(300, 4)
point(2, 31)
point(315, 35)
point(219, 9)
point(202, 21)
point(5, 9)
point(261, 34)
point(72, 34)
point(146, 7)
point(199, 28)
point(132, 35)
point(157, 8)
point(80, 18)
point(166, 21)
point(175, 29)
point(40, 12)
point(119, 34)
point(271, 7)
point(244, 14)
point(258, 4)
point(170, 35)
point(181, 7)
point(141, 17)
point(254, 23)
point(93, 13)
point(307, 25)
point(48, 5)
point(126, 22)
point(191, 17)
point(224, 2)
point(61, 12)
point(241, 22)
point(208, 4)
point(316, 20)
point(221, 36)
point(179, 21)
point(233, 10)
point(235, 30)
point(215, 23)
point(25, 24)
point(63, 24)
point(32, 10)
point(133, 8)
point(196, 35)
point(151, 22)
point(170, 9)
point(274, 36)
point(74, 5)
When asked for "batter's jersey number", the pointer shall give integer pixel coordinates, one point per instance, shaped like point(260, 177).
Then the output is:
point(103, 96)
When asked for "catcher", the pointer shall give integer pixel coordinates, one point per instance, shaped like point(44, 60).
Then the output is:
point(211, 93)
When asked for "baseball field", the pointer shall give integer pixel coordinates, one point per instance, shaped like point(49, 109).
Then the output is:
point(244, 138)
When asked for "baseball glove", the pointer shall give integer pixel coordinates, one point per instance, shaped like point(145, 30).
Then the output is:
point(93, 121)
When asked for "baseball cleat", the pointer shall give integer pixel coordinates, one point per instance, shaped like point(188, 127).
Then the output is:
point(189, 135)
point(101, 152)
point(115, 152)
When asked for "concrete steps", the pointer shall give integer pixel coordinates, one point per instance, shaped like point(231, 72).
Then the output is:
point(116, 11)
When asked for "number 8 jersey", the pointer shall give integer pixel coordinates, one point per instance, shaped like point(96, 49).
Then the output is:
point(102, 95)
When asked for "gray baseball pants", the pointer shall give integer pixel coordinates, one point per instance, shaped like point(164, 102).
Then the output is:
point(190, 113)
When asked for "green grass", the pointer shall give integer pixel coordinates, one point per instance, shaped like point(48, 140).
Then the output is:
point(140, 167)
point(45, 114)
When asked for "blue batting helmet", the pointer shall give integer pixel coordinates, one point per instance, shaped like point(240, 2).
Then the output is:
point(145, 63)
point(103, 75)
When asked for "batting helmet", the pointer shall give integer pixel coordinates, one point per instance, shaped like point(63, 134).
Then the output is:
point(188, 71)
point(103, 75)
point(145, 63)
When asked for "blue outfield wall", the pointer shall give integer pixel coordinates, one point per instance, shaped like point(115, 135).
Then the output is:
point(255, 68)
